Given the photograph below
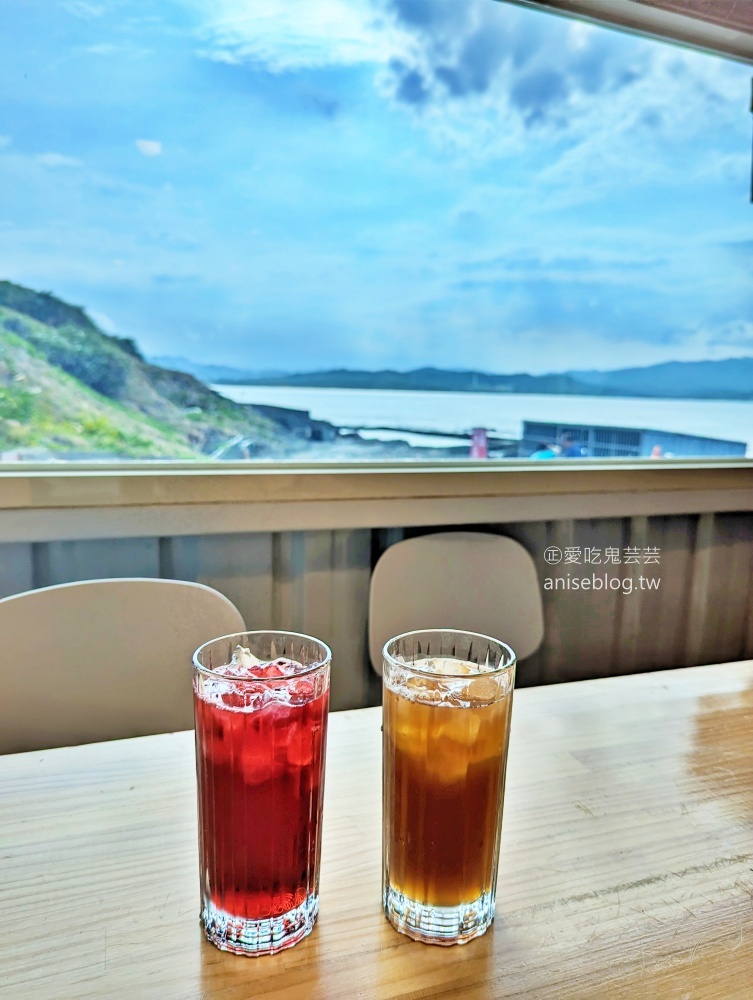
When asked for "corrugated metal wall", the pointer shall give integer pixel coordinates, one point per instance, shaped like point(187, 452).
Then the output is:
point(317, 582)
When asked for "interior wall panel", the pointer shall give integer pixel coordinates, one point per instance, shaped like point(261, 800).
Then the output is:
point(534, 537)
point(94, 559)
point(321, 584)
point(239, 566)
point(699, 594)
point(16, 568)
point(318, 582)
point(666, 622)
point(728, 599)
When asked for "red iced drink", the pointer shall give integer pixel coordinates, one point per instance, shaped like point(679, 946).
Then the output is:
point(260, 739)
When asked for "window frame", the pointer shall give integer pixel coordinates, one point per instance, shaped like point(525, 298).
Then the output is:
point(275, 490)
point(675, 21)
point(155, 499)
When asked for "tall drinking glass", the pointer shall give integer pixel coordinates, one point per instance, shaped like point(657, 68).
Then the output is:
point(261, 702)
point(447, 703)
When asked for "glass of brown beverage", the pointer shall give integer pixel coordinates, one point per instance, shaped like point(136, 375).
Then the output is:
point(447, 703)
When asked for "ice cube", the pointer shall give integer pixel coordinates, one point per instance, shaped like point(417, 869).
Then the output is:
point(449, 764)
point(481, 691)
point(445, 666)
point(243, 663)
point(301, 690)
point(258, 765)
point(421, 689)
point(215, 746)
point(250, 699)
point(243, 657)
point(300, 749)
point(459, 726)
point(281, 667)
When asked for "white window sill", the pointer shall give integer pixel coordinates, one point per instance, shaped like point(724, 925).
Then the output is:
point(39, 503)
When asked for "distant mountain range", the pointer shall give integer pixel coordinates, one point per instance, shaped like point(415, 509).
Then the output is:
point(729, 379)
point(211, 373)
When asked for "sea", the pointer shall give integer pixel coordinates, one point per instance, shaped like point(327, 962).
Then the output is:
point(390, 415)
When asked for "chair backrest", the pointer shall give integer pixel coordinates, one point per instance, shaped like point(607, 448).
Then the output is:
point(103, 659)
point(456, 579)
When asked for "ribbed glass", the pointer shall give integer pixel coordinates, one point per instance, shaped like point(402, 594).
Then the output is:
point(260, 748)
point(444, 761)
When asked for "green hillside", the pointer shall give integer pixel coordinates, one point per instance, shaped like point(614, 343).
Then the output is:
point(65, 386)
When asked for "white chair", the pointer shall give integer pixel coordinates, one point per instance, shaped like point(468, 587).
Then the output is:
point(456, 579)
point(103, 659)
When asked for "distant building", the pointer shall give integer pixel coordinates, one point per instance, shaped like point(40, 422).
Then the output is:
point(626, 442)
point(299, 422)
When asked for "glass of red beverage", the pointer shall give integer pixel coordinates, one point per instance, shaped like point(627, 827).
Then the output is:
point(261, 701)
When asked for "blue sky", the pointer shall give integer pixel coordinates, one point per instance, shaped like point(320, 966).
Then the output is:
point(371, 183)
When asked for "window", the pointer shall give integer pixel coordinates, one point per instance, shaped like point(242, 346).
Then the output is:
point(399, 229)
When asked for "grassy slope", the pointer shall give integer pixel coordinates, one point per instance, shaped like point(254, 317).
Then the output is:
point(42, 406)
point(66, 386)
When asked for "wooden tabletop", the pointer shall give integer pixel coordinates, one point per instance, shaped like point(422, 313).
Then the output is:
point(626, 867)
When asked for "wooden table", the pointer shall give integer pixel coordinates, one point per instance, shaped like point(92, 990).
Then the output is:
point(626, 871)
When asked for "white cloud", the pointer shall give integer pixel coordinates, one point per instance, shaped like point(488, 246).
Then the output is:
point(290, 36)
point(149, 147)
point(84, 9)
point(632, 133)
point(538, 351)
point(737, 334)
point(580, 35)
point(57, 160)
point(103, 321)
point(485, 79)
point(103, 49)
point(488, 80)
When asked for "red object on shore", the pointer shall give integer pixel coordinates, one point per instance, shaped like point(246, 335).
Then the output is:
point(479, 443)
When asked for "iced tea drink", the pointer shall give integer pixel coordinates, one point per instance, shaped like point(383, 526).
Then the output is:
point(447, 703)
point(261, 702)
